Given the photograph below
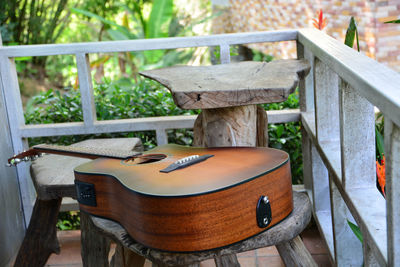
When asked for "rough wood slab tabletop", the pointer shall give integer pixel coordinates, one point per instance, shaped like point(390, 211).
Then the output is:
point(230, 85)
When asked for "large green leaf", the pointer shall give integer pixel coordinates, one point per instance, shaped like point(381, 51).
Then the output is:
point(123, 30)
point(157, 26)
point(393, 21)
point(356, 231)
point(160, 17)
point(380, 145)
point(351, 34)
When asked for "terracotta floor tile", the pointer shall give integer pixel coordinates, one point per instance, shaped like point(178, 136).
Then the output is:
point(247, 261)
point(207, 263)
point(267, 251)
point(250, 253)
point(70, 249)
point(270, 261)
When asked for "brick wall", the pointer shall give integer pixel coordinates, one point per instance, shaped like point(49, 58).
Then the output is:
point(377, 40)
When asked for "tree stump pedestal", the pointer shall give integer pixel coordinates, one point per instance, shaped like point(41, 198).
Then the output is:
point(228, 94)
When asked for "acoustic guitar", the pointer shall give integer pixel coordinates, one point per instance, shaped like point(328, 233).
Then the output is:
point(186, 199)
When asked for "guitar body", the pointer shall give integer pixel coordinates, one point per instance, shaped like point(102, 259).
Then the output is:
point(207, 205)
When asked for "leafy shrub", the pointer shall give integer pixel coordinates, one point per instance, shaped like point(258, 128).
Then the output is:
point(287, 136)
point(119, 100)
point(68, 220)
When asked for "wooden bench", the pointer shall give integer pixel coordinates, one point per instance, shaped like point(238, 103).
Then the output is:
point(285, 236)
point(53, 178)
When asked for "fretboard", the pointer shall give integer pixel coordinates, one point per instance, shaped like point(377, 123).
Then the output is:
point(87, 152)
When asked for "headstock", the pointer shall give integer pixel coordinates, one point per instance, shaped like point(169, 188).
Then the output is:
point(28, 155)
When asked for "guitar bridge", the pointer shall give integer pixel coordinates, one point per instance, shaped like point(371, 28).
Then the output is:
point(184, 162)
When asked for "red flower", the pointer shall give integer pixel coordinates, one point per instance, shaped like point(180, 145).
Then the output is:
point(380, 172)
point(321, 22)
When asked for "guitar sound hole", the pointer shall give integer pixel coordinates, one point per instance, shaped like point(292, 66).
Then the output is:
point(149, 158)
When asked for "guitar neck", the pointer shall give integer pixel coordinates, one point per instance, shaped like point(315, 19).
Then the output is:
point(85, 152)
point(82, 152)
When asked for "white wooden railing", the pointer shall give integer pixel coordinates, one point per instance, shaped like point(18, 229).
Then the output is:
point(337, 108)
point(337, 113)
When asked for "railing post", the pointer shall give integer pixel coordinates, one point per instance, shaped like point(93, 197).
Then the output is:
point(161, 136)
point(326, 91)
point(13, 105)
point(348, 249)
point(306, 85)
point(224, 52)
point(357, 133)
point(392, 150)
point(86, 89)
point(12, 224)
point(306, 92)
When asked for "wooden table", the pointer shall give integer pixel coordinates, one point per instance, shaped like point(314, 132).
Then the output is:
point(228, 94)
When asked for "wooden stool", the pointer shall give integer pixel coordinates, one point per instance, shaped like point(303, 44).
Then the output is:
point(53, 178)
point(285, 236)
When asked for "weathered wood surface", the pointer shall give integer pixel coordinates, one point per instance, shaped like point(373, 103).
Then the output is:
point(233, 126)
point(226, 260)
point(228, 85)
point(41, 236)
point(294, 253)
point(285, 231)
point(124, 257)
point(94, 247)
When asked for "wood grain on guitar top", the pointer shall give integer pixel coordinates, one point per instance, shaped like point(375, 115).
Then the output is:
point(214, 202)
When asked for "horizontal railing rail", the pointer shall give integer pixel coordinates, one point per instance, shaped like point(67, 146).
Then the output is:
point(148, 44)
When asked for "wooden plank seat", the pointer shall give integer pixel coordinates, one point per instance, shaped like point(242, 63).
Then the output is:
point(285, 236)
point(53, 178)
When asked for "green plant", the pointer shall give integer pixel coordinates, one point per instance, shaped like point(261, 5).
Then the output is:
point(121, 99)
point(287, 136)
point(393, 21)
point(68, 220)
point(33, 22)
point(351, 34)
point(161, 22)
point(320, 22)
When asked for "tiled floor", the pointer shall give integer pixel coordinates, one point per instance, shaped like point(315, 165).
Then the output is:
point(264, 257)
